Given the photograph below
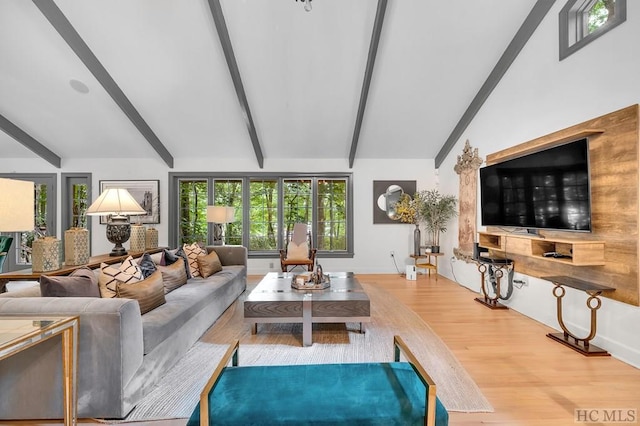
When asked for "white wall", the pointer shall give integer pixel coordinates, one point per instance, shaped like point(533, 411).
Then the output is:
point(373, 243)
point(540, 95)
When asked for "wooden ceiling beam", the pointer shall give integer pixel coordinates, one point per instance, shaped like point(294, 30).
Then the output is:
point(364, 93)
point(225, 41)
point(29, 142)
point(62, 25)
point(528, 27)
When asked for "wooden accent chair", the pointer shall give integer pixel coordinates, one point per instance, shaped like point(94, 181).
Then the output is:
point(298, 249)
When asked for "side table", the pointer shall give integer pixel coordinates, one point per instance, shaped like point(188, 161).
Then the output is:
point(496, 266)
point(428, 261)
point(18, 333)
point(594, 290)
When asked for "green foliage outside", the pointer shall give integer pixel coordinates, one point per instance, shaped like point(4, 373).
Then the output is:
point(601, 13)
point(263, 208)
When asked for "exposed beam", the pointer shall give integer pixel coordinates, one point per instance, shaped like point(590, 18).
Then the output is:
point(528, 27)
point(225, 41)
point(19, 135)
point(62, 25)
point(368, 72)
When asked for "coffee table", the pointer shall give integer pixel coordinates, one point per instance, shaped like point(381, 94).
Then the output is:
point(275, 301)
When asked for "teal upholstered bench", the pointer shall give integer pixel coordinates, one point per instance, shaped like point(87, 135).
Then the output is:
point(385, 393)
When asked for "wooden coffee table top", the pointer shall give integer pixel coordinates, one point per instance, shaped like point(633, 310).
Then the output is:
point(277, 286)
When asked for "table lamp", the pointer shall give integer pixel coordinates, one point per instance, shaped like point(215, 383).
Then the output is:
point(220, 216)
point(16, 211)
point(118, 204)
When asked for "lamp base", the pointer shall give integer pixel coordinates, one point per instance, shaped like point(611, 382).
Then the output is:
point(118, 232)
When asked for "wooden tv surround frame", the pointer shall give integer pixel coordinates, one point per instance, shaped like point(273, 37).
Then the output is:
point(607, 256)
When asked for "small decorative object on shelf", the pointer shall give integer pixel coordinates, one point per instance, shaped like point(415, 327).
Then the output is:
point(45, 254)
point(151, 239)
point(311, 280)
point(76, 246)
point(138, 238)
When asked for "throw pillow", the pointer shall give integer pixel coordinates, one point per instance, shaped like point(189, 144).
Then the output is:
point(209, 264)
point(193, 251)
point(147, 265)
point(298, 251)
point(80, 283)
point(128, 272)
point(149, 292)
point(169, 257)
point(173, 276)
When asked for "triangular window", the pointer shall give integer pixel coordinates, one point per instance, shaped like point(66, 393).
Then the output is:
point(582, 21)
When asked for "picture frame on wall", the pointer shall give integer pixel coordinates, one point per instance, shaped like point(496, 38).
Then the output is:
point(145, 192)
point(380, 188)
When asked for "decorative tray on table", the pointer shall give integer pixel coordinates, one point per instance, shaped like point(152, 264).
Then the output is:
point(310, 281)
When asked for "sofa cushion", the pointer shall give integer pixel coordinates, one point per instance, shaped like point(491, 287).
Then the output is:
point(147, 265)
point(169, 257)
point(184, 303)
point(209, 264)
point(193, 251)
point(80, 283)
point(127, 272)
point(149, 292)
point(173, 276)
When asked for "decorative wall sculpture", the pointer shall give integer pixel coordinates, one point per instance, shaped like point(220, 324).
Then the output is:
point(467, 168)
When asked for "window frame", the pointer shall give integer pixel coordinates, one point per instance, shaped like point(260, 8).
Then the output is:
point(176, 177)
point(571, 25)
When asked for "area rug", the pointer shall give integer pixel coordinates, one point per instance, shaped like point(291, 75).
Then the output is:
point(281, 344)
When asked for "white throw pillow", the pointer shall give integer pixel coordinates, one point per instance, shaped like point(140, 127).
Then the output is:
point(298, 251)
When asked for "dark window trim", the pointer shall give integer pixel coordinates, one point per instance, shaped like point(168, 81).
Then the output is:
point(68, 179)
point(175, 177)
point(567, 25)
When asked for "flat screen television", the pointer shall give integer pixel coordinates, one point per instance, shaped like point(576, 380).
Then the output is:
point(548, 189)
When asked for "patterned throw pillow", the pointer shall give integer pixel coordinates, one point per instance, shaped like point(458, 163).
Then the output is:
point(173, 276)
point(209, 264)
point(193, 251)
point(147, 265)
point(149, 292)
point(128, 272)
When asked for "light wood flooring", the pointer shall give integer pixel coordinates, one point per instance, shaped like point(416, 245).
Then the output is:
point(528, 378)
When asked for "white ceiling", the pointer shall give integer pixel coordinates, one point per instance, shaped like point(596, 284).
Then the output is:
point(302, 74)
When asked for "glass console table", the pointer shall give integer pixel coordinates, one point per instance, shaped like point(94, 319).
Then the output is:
point(18, 333)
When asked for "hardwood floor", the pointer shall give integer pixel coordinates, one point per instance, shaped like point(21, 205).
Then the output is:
point(528, 378)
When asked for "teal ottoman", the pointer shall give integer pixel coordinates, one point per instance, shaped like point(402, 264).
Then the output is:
point(385, 393)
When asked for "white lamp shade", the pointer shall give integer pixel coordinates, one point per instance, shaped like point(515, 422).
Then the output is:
point(17, 207)
point(220, 214)
point(115, 201)
point(231, 213)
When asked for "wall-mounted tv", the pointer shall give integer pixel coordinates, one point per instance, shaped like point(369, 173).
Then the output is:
point(548, 189)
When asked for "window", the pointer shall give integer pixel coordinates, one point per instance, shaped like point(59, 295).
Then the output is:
point(266, 208)
point(582, 21)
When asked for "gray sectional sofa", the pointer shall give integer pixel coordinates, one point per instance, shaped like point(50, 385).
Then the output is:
point(122, 354)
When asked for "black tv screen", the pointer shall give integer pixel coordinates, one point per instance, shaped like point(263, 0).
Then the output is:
point(548, 189)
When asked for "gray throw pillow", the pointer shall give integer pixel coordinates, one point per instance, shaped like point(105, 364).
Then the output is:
point(147, 265)
point(80, 283)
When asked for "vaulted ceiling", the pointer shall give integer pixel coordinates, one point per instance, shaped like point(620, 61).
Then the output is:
point(261, 79)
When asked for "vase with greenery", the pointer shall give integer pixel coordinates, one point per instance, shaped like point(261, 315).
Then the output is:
point(436, 210)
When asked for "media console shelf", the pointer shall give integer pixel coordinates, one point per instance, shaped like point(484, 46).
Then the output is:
point(567, 338)
point(572, 252)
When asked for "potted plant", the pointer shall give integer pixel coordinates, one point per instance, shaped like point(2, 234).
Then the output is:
point(436, 210)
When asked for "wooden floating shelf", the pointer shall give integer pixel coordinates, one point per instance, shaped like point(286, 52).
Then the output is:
point(577, 252)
